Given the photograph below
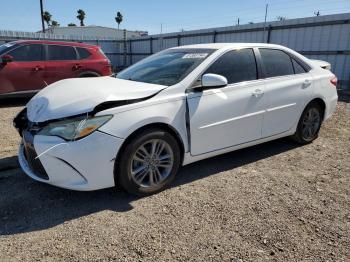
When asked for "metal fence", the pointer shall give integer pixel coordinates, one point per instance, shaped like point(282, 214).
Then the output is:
point(323, 37)
point(5, 35)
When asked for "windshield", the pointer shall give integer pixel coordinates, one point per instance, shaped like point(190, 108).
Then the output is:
point(5, 47)
point(166, 68)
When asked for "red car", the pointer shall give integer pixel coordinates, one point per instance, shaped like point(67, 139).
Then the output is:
point(28, 66)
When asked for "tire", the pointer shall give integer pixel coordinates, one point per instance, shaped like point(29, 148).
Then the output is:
point(154, 173)
point(309, 124)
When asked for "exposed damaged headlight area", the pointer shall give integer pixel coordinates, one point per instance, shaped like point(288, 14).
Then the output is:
point(72, 128)
point(76, 128)
point(20, 122)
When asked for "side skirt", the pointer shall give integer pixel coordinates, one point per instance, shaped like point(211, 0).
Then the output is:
point(188, 158)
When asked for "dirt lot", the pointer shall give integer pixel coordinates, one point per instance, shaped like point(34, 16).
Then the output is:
point(275, 201)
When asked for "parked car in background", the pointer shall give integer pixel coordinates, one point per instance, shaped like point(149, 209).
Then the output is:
point(176, 107)
point(28, 66)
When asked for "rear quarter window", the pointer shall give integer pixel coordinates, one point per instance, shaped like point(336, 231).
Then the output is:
point(298, 69)
point(83, 53)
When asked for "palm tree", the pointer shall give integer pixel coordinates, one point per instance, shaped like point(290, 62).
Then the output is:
point(54, 23)
point(119, 18)
point(42, 15)
point(81, 16)
point(47, 18)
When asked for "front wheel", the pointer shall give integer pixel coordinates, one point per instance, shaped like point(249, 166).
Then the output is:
point(309, 124)
point(148, 163)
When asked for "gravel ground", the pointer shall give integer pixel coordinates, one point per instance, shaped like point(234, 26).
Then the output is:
point(9, 138)
point(276, 201)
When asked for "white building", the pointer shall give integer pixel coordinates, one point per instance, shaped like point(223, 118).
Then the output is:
point(100, 32)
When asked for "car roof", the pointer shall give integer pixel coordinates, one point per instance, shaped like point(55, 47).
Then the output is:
point(228, 45)
point(47, 42)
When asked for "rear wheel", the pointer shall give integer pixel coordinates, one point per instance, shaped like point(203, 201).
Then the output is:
point(309, 124)
point(149, 162)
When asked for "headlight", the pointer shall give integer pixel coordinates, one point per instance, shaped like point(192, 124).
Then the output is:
point(75, 128)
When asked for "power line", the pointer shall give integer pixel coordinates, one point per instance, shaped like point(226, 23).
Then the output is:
point(228, 19)
point(239, 12)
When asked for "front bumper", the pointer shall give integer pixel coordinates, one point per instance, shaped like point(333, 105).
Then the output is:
point(86, 164)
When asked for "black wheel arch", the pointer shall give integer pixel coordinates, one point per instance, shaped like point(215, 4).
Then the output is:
point(321, 103)
point(89, 74)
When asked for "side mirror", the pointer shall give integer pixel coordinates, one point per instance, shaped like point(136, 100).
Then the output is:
point(213, 80)
point(6, 59)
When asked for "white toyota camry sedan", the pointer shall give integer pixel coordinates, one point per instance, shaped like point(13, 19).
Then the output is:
point(176, 107)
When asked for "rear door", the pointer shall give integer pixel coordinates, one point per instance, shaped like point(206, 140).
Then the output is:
point(231, 115)
point(288, 88)
point(26, 72)
point(62, 62)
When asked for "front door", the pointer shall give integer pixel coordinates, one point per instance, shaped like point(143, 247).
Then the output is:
point(26, 72)
point(231, 115)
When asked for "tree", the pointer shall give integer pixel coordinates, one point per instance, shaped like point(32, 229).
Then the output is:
point(281, 18)
point(81, 17)
point(54, 23)
point(47, 18)
point(317, 13)
point(119, 18)
point(72, 24)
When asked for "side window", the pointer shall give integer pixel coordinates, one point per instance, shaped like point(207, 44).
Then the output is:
point(56, 52)
point(27, 53)
point(83, 53)
point(298, 69)
point(276, 62)
point(236, 66)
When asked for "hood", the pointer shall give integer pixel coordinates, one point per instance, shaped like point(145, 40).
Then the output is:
point(81, 95)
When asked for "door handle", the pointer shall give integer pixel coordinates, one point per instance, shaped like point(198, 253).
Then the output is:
point(76, 67)
point(306, 83)
point(38, 68)
point(257, 93)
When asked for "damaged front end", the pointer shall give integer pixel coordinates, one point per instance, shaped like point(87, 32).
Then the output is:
point(27, 130)
point(54, 152)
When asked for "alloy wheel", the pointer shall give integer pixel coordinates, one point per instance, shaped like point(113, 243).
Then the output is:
point(152, 163)
point(311, 123)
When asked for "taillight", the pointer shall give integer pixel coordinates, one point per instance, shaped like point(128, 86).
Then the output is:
point(334, 81)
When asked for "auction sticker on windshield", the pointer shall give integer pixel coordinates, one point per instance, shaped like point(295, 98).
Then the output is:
point(196, 56)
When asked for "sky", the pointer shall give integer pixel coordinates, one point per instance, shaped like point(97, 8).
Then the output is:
point(173, 15)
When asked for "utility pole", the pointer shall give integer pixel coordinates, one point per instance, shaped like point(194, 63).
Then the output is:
point(267, 6)
point(42, 15)
point(161, 37)
point(125, 51)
